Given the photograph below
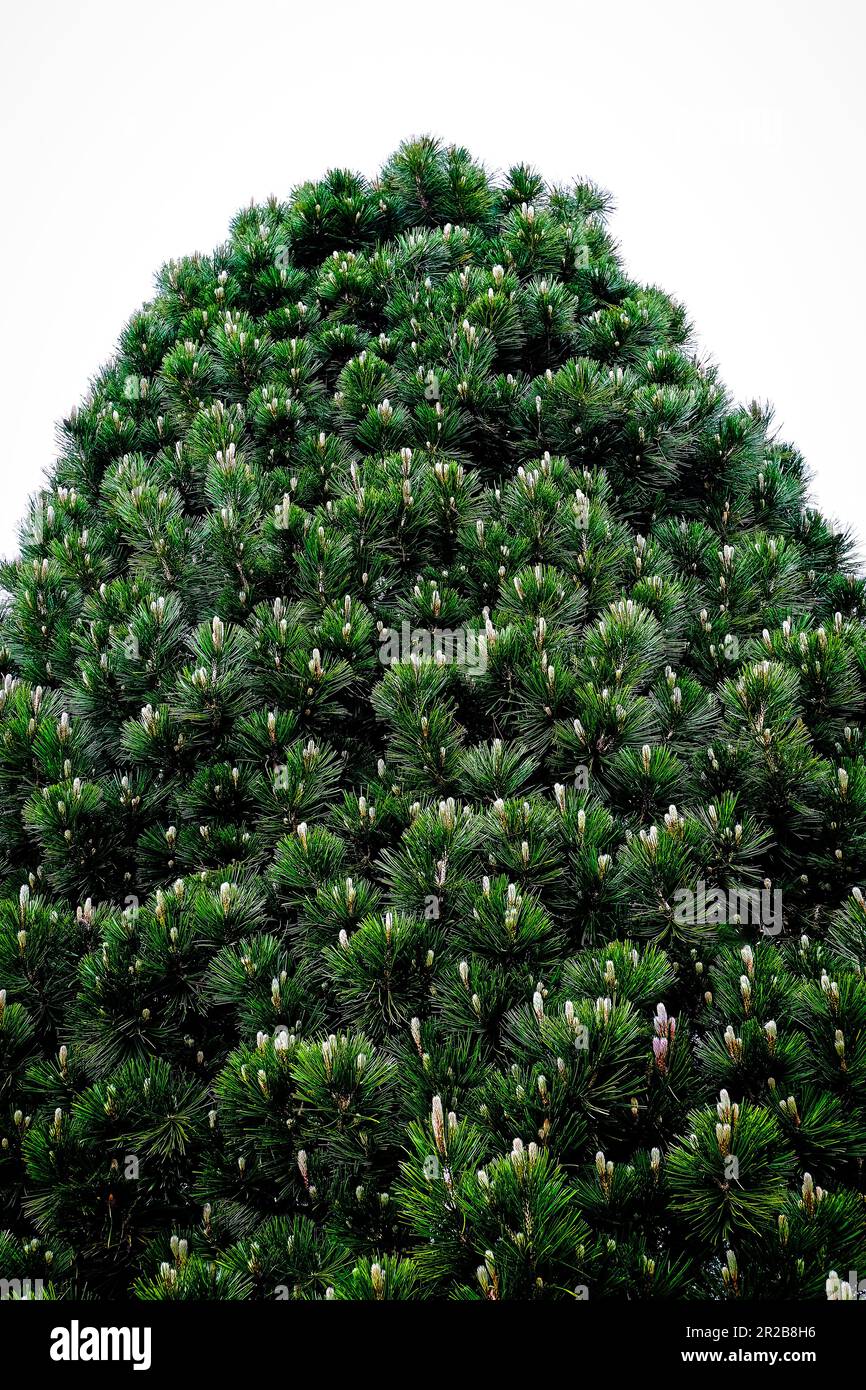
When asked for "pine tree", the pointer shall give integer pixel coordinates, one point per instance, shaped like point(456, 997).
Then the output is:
point(432, 790)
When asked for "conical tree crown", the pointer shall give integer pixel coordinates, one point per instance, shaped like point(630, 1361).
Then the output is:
point(432, 795)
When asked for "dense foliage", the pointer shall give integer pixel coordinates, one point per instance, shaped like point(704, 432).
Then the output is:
point(432, 791)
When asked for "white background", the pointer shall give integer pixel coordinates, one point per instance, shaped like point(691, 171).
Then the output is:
point(731, 135)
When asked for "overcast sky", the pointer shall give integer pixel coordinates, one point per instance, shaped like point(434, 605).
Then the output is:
point(731, 136)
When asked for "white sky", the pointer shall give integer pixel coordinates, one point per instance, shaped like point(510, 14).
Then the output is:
point(731, 135)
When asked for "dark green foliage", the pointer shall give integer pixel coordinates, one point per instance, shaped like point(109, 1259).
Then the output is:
point(432, 791)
